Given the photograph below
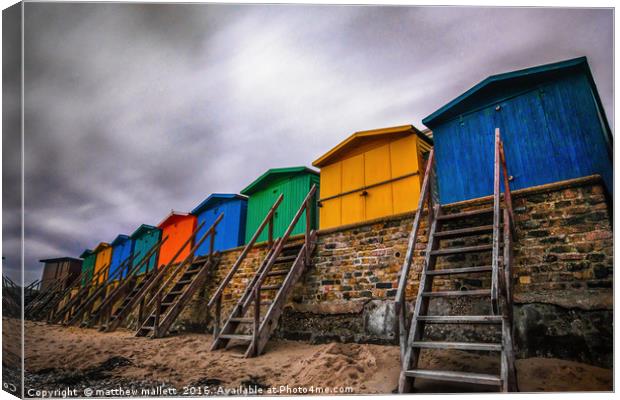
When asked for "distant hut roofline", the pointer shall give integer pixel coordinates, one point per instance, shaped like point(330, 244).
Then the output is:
point(357, 137)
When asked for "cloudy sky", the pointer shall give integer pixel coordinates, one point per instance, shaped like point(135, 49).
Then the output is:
point(134, 110)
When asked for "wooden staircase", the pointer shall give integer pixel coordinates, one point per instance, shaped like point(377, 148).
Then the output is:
point(66, 312)
point(85, 310)
point(128, 286)
point(44, 303)
point(116, 317)
point(150, 285)
point(489, 232)
point(169, 306)
point(255, 315)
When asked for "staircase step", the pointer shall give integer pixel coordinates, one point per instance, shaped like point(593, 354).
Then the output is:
point(460, 250)
point(183, 282)
point(285, 259)
point(292, 246)
point(191, 271)
point(270, 287)
point(461, 319)
point(454, 376)
point(464, 270)
point(476, 230)
point(169, 303)
point(455, 293)
point(466, 214)
point(242, 320)
point(459, 346)
point(277, 273)
point(236, 337)
point(174, 293)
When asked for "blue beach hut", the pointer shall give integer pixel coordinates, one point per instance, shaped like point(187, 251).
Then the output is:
point(122, 247)
point(551, 120)
point(231, 229)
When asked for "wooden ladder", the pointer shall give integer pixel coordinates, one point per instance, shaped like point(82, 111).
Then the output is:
point(174, 295)
point(74, 303)
point(85, 310)
point(169, 306)
point(282, 267)
point(127, 286)
point(461, 226)
point(44, 302)
point(147, 286)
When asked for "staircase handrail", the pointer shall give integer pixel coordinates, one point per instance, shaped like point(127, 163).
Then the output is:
point(400, 308)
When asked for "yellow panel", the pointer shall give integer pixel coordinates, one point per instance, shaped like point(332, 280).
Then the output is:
point(330, 213)
point(353, 173)
point(103, 259)
point(404, 156)
point(379, 201)
point(352, 208)
point(331, 179)
point(377, 165)
point(406, 193)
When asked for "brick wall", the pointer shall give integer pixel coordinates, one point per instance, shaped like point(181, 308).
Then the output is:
point(563, 272)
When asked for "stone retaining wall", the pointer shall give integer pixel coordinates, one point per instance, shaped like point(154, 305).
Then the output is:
point(563, 275)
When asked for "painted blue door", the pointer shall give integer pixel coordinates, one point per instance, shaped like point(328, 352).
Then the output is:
point(120, 253)
point(550, 134)
point(230, 230)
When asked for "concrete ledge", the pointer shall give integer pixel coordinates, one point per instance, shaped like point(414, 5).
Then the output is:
point(587, 300)
point(550, 187)
point(340, 307)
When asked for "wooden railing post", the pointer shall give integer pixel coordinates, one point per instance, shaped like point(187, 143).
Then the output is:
point(157, 314)
point(270, 233)
point(211, 244)
point(308, 229)
point(256, 323)
point(496, 223)
point(218, 316)
point(141, 312)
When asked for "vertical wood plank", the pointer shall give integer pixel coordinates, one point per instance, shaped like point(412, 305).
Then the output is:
point(496, 217)
point(256, 323)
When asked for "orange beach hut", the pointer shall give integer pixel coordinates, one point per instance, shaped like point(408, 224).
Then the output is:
point(178, 226)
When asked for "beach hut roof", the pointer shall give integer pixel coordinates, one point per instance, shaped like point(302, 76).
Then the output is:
point(361, 137)
point(60, 259)
point(142, 229)
point(479, 95)
point(101, 246)
point(274, 174)
point(86, 253)
point(119, 239)
point(172, 217)
point(215, 198)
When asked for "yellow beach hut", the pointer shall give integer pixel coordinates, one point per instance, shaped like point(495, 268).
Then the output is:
point(372, 174)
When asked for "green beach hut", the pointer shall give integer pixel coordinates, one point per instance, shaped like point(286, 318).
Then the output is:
point(294, 183)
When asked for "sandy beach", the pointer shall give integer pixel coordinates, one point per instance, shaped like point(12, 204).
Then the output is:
point(75, 357)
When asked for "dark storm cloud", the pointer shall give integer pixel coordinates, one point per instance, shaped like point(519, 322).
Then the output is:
point(11, 142)
point(133, 109)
